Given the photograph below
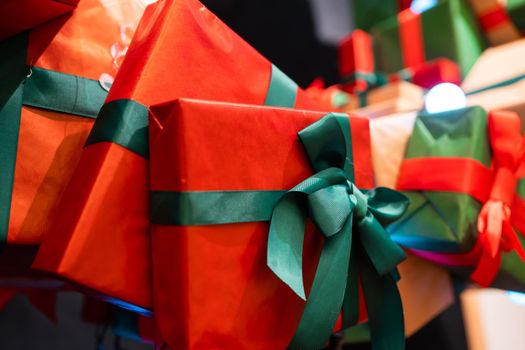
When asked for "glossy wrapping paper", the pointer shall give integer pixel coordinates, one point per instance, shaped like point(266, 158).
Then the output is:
point(496, 81)
point(445, 220)
point(180, 49)
point(17, 16)
point(212, 285)
point(409, 39)
point(57, 67)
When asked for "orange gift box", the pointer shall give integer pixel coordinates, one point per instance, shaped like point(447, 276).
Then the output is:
point(180, 49)
point(212, 285)
point(51, 97)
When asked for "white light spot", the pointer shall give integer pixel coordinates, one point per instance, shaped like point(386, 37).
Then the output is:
point(517, 298)
point(419, 6)
point(445, 97)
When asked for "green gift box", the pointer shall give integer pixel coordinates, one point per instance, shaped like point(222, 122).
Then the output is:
point(367, 13)
point(516, 12)
point(449, 30)
point(447, 175)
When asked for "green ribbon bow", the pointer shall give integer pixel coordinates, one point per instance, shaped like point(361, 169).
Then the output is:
point(356, 245)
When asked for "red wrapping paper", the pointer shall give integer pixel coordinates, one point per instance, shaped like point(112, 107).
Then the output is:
point(50, 143)
point(17, 16)
point(212, 287)
point(180, 49)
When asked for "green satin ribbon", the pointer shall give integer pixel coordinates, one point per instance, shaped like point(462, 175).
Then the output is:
point(356, 243)
point(497, 85)
point(64, 93)
point(35, 87)
point(282, 90)
point(12, 74)
point(125, 122)
point(373, 79)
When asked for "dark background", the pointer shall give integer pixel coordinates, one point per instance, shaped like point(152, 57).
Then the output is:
point(284, 31)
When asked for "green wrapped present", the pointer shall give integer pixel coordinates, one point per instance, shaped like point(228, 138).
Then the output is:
point(367, 13)
point(464, 175)
point(516, 12)
point(449, 30)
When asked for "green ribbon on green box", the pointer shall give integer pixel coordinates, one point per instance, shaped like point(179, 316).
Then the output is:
point(367, 13)
point(34, 87)
point(356, 244)
point(443, 221)
point(449, 30)
point(516, 11)
point(446, 222)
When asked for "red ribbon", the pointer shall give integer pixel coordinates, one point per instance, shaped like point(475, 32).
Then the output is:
point(495, 187)
point(411, 37)
point(493, 17)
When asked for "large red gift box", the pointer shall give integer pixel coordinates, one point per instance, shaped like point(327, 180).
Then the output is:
point(212, 285)
point(180, 49)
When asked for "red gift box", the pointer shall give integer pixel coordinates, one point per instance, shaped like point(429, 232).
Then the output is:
point(356, 61)
point(212, 285)
point(358, 70)
point(50, 97)
point(180, 49)
point(17, 16)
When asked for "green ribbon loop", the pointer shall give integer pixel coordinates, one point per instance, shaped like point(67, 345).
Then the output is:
point(327, 143)
point(330, 221)
point(343, 215)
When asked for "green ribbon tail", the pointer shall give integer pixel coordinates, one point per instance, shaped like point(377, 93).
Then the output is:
point(286, 235)
point(327, 293)
point(9, 128)
point(384, 254)
point(285, 242)
point(385, 310)
point(351, 300)
point(13, 72)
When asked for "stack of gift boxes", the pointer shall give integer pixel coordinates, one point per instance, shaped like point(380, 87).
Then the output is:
point(153, 159)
